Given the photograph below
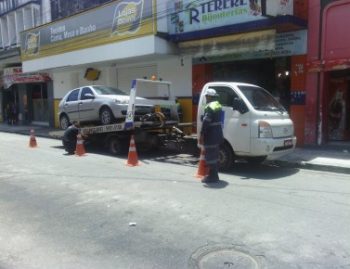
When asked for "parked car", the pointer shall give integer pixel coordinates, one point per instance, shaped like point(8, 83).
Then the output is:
point(98, 103)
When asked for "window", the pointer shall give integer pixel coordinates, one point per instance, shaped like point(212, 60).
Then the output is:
point(73, 96)
point(261, 99)
point(226, 95)
point(85, 91)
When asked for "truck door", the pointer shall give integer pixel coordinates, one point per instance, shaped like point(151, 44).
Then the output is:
point(86, 105)
point(236, 125)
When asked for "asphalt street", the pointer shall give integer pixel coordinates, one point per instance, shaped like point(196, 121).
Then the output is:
point(59, 211)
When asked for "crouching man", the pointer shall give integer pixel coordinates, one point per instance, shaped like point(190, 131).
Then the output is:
point(70, 137)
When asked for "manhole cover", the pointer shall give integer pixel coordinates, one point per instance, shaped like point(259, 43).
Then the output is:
point(222, 258)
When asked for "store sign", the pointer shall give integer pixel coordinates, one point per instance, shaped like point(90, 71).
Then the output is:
point(244, 43)
point(279, 7)
point(290, 43)
point(14, 75)
point(283, 45)
point(109, 23)
point(189, 15)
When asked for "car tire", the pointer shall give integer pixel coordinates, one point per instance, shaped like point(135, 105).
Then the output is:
point(116, 146)
point(64, 122)
point(106, 116)
point(226, 157)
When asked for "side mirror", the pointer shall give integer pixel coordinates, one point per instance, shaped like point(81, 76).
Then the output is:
point(89, 96)
point(239, 105)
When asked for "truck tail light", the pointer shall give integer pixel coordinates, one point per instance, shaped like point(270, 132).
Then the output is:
point(265, 130)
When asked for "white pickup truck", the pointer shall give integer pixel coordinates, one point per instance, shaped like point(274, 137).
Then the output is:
point(255, 125)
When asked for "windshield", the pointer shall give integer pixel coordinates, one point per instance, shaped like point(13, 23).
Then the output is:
point(261, 99)
point(104, 90)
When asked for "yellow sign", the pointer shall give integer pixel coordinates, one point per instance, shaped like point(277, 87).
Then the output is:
point(113, 22)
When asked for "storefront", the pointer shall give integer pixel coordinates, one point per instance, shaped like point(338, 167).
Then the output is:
point(119, 41)
point(328, 77)
point(262, 43)
point(25, 97)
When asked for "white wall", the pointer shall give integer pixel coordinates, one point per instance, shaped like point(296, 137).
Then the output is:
point(63, 81)
point(177, 70)
point(138, 47)
point(66, 80)
point(102, 80)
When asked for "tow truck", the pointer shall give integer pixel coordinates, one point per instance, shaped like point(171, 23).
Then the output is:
point(151, 131)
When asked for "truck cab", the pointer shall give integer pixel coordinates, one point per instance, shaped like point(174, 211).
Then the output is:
point(255, 125)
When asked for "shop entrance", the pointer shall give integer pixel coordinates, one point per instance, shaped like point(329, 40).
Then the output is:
point(10, 105)
point(271, 74)
point(39, 113)
point(338, 105)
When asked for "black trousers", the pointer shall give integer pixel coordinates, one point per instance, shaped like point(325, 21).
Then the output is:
point(69, 146)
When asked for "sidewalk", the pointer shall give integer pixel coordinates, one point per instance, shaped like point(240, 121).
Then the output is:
point(324, 158)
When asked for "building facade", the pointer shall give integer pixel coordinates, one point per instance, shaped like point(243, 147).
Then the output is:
point(23, 96)
point(186, 42)
point(261, 42)
point(122, 40)
point(328, 77)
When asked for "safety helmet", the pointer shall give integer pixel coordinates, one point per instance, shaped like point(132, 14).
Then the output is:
point(211, 92)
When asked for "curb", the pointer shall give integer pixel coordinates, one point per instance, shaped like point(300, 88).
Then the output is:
point(312, 166)
point(37, 134)
point(282, 163)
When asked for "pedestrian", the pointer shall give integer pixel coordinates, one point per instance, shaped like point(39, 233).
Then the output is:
point(70, 137)
point(211, 134)
point(8, 113)
point(13, 114)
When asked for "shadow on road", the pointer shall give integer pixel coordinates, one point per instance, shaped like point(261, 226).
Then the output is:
point(216, 185)
point(266, 171)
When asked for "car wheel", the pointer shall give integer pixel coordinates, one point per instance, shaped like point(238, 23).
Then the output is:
point(226, 157)
point(64, 122)
point(116, 146)
point(106, 116)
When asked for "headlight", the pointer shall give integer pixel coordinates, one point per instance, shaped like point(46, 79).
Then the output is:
point(265, 130)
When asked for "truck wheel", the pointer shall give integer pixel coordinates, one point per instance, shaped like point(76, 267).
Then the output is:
point(106, 116)
point(226, 157)
point(256, 160)
point(115, 146)
point(64, 122)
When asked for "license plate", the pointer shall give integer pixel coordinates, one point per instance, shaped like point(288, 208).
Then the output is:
point(288, 142)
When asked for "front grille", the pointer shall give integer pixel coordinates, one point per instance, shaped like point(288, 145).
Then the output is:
point(141, 110)
point(282, 148)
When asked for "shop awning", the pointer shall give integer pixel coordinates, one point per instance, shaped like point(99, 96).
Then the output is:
point(15, 76)
point(314, 66)
point(328, 65)
point(339, 64)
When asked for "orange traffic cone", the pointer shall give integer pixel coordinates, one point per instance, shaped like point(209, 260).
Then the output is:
point(132, 156)
point(79, 149)
point(32, 140)
point(203, 169)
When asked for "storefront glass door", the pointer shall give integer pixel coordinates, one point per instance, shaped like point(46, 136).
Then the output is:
point(40, 110)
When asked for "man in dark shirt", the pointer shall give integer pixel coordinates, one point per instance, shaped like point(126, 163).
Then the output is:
point(70, 137)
